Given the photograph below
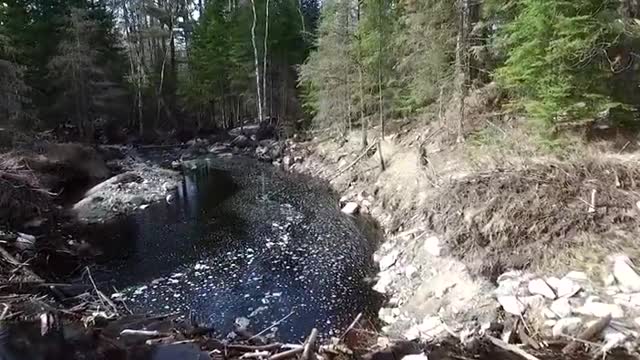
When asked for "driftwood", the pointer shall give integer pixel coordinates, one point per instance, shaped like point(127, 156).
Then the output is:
point(526, 339)
point(310, 345)
point(255, 348)
point(511, 348)
point(12, 260)
point(353, 324)
point(588, 334)
point(354, 162)
point(286, 354)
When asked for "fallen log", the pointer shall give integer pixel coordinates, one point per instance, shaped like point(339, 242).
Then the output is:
point(511, 348)
point(310, 345)
point(588, 334)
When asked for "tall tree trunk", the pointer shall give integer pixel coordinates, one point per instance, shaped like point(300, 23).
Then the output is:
point(264, 57)
point(363, 121)
point(255, 58)
point(462, 64)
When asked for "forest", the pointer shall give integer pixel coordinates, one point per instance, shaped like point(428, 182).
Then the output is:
point(112, 70)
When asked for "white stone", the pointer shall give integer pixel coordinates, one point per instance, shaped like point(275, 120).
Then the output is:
point(549, 314)
point(508, 287)
point(415, 357)
point(625, 273)
point(637, 321)
point(567, 326)
point(540, 287)
point(550, 323)
point(599, 309)
point(554, 282)
point(577, 276)
point(566, 287)
point(242, 322)
point(612, 338)
point(431, 326)
point(511, 274)
point(409, 271)
point(561, 307)
point(432, 246)
point(350, 208)
point(511, 304)
point(388, 260)
point(533, 301)
point(609, 280)
point(387, 315)
point(384, 280)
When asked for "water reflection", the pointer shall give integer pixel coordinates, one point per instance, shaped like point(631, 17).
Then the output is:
point(241, 240)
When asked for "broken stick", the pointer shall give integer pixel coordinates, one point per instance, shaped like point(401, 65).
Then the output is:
point(308, 347)
point(354, 161)
point(512, 348)
point(588, 334)
point(286, 354)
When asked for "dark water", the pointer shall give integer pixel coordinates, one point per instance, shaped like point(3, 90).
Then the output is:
point(242, 239)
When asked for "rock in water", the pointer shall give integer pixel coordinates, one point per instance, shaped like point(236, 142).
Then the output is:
point(540, 287)
point(625, 273)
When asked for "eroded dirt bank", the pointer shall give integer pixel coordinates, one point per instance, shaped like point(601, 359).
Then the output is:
point(541, 247)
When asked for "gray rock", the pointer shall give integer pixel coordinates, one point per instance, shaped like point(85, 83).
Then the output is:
point(599, 309)
point(625, 273)
point(540, 287)
point(511, 286)
point(511, 275)
point(561, 307)
point(567, 326)
point(241, 141)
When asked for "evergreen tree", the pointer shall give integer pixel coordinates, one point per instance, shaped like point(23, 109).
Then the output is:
point(82, 76)
point(556, 57)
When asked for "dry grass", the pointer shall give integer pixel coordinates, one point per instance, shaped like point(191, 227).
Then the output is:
point(526, 218)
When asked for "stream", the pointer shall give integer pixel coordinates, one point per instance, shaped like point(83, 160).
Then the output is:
point(242, 242)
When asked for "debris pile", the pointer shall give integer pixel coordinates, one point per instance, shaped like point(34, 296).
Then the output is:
point(502, 219)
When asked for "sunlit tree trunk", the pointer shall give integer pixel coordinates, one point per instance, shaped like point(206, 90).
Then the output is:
point(255, 58)
point(264, 56)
